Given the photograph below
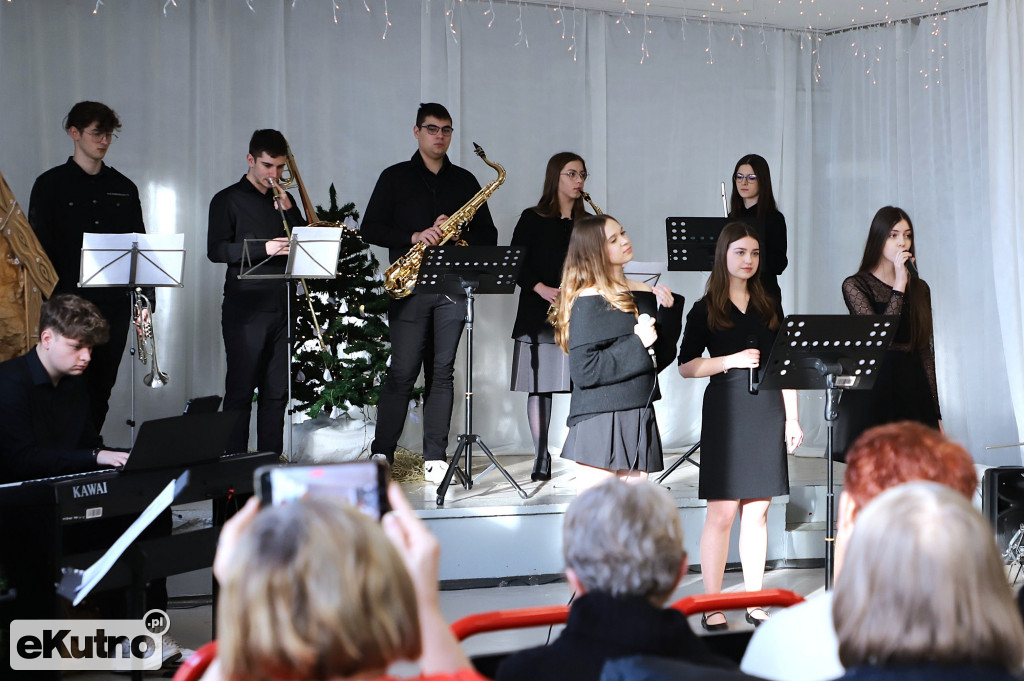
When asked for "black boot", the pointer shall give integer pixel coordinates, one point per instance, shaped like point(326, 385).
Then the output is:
point(542, 467)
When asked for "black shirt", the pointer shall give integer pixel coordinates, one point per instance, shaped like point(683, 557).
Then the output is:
point(241, 212)
point(697, 336)
point(546, 241)
point(408, 198)
point(67, 202)
point(45, 430)
point(602, 627)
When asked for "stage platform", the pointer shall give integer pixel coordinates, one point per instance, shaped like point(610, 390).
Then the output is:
point(491, 536)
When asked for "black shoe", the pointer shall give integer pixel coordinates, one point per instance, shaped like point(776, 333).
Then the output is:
point(721, 626)
point(541, 468)
point(755, 620)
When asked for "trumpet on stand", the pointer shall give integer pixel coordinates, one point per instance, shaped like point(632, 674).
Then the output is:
point(144, 346)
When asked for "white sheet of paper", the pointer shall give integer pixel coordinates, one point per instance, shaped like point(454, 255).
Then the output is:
point(647, 272)
point(316, 252)
point(161, 259)
point(106, 259)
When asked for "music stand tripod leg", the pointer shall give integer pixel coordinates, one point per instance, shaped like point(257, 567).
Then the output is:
point(495, 463)
point(683, 459)
point(454, 470)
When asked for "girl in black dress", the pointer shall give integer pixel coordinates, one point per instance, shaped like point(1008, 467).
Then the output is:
point(905, 387)
point(617, 338)
point(752, 201)
point(744, 438)
point(539, 367)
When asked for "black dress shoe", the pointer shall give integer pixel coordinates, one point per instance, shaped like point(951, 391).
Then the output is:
point(721, 626)
point(541, 468)
point(755, 620)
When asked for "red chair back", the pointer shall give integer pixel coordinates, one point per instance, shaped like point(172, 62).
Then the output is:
point(522, 618)
point(195, 666)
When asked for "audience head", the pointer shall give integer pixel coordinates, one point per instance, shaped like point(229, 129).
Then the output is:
point(924, 583)
point(624, 539)
point(889, 455)
point(315, 590)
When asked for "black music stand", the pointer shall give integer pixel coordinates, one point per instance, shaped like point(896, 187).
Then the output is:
point(691, 248)
point(691, 243)
point(831, 353)
point(462, 270)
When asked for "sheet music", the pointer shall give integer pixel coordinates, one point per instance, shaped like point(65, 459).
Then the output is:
point(107, 259)
point(315, 253)
point(647, 272)
point(161, 260)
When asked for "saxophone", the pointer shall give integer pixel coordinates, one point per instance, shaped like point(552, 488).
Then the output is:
point(400, 277)
point(586, 197)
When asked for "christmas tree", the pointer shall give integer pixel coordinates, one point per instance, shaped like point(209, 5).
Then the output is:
point(352, 314)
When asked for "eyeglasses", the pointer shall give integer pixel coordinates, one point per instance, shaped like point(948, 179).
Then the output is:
point(434, 129)
point(750, 178)
point(100, 136)
point(572, 174)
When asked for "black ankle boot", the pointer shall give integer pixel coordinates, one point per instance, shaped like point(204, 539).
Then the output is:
point(542, 467)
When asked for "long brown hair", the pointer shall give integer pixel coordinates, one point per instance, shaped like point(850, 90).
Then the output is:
point(548, 206)
point(716, 294)
point(586, 265)
point(920, 312)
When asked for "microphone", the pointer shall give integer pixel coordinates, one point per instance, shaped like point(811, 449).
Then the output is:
point(650, 350)
point(752, 378)
point(912, 268)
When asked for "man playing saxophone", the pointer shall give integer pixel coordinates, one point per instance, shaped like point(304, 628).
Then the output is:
point(409, 204)
point(254, 313)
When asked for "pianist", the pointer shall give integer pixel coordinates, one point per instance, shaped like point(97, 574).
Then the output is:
point(46, 429)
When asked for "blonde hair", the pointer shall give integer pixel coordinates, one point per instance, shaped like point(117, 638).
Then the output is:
point(923, 583)
point(586, 265)
point(625, 540)
point(316, 591)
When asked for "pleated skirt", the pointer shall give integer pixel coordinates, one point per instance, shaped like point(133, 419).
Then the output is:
point(614, 440)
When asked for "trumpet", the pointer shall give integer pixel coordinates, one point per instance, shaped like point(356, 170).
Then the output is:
point(586, 197)
point(142, 311)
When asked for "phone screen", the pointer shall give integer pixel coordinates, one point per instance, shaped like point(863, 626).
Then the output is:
point(361, 483)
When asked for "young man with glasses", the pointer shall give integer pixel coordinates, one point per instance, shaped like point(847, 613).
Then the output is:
point(409, 204)
point(86, 195)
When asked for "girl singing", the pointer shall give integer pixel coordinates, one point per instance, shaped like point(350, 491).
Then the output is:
point(744, 437)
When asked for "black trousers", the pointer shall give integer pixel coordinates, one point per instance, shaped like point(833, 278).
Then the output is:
point(425, 332)
point(256, 344)
point(106, 359)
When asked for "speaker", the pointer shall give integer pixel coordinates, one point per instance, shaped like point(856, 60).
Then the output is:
point(1002, 502)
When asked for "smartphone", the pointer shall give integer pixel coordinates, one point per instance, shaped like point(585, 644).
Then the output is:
point(364, 484)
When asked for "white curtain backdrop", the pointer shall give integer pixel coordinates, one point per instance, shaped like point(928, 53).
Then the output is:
point(660, 132)
point(1006, 170)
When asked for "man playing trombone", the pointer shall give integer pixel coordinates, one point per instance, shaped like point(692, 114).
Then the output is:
point(254, 311)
